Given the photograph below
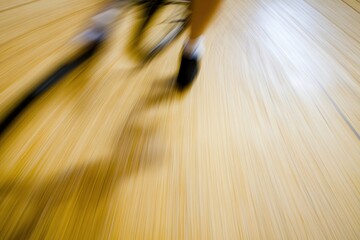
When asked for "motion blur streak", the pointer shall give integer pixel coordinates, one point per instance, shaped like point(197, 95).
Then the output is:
point(265, 145)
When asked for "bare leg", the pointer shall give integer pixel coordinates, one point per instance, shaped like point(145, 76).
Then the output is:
point(203, 12)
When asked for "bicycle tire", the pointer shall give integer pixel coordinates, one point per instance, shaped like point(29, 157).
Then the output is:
point(50, 81)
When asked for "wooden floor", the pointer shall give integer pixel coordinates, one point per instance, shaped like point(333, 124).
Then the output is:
point(265, 145)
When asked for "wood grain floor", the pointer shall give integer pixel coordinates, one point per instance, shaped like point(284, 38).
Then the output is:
point(265, 145)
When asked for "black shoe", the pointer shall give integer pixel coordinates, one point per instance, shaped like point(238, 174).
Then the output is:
point(188, 71)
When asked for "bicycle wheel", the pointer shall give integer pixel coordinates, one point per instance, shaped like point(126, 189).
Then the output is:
point(165, 20)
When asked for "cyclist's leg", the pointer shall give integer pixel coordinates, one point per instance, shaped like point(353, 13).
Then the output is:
point(202, 13)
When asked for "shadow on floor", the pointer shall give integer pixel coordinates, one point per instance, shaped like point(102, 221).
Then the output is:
point(87, 188)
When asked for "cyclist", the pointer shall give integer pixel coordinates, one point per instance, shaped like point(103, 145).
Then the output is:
point(202, 12)
point(201, 16)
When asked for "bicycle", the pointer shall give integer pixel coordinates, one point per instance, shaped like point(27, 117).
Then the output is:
point(164, 21)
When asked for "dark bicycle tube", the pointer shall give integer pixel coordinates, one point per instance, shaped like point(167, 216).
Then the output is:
point(49, 82)
point(151, 10)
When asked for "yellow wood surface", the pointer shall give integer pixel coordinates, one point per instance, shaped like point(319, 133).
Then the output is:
point(265, 145)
